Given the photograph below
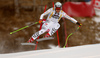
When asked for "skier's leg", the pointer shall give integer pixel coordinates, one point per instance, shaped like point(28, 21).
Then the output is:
point(54, 29)
point(44, 28)
point(34, 36)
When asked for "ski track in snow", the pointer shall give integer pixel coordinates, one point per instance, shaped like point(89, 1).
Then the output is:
point(85, 51)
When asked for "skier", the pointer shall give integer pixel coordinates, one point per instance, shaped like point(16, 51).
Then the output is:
point(51, 24)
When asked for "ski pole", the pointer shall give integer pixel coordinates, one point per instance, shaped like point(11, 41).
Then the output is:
point(70, 35)
point(25, 27)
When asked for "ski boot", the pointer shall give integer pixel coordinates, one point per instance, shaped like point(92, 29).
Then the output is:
point(30, 40)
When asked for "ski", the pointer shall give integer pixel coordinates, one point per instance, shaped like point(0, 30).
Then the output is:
point(28, 44)
point(42, 39)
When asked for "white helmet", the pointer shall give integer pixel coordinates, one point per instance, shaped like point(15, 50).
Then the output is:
point(58, 5)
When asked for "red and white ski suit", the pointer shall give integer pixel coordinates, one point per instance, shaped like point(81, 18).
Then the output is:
point(51, 24)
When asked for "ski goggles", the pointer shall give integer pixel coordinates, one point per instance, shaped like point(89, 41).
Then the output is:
point(58, 8)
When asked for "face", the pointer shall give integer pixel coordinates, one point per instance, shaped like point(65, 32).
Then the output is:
point(57, 10)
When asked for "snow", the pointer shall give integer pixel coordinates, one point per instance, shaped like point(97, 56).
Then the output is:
point(98, 39)
point(96, 19)
point(97, 11)
point(85, 51)
point(53, 46)
point(28, 23)
point(38, 26)
point(15, 28)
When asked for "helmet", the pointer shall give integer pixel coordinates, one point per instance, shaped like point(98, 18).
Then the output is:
point(58, 6)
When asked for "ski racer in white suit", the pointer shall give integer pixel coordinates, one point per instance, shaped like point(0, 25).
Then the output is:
point(51, 24)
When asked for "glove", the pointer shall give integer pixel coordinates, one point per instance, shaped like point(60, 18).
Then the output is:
point(79, 24)
point(44, 20)
point(40, 21)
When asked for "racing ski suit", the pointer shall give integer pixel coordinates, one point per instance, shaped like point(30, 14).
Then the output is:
point(51, 24)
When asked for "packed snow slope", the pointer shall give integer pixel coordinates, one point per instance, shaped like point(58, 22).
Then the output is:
point(86, 51)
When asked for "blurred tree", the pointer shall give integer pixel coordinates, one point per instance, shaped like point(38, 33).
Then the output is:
point(16, 2)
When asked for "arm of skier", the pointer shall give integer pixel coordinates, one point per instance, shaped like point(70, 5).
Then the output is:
point(44, 14)
point(71, 19)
